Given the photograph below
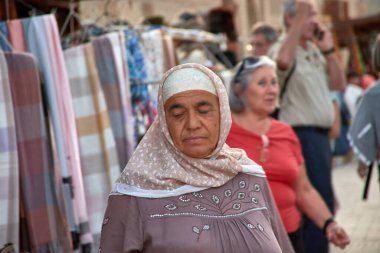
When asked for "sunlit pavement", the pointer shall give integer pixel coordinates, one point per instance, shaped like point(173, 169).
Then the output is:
point(361, 219)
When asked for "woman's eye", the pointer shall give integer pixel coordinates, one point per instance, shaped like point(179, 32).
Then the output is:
point(262, 83)
point(204, 111)
point(274, 81)
point(177, 115)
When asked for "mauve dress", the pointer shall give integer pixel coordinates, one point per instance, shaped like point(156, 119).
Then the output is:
point(239, 216)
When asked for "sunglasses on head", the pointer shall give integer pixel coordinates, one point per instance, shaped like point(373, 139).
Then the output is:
point(247, 63)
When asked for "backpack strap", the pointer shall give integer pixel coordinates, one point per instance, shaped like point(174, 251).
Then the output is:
point(276, 112)
point(283, 89)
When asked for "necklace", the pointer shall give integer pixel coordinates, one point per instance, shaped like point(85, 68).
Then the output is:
point(264, 148)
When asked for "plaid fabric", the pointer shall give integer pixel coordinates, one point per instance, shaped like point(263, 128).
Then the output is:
point(42, 39)
point(114, 85)
point(120, 54)
point(98, 155)
point(9, 176)
point(38, 44)
point(69, 132)
point(45, 220)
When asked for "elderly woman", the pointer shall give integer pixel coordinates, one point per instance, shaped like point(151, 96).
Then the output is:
point(184, 190)
point(274, 145)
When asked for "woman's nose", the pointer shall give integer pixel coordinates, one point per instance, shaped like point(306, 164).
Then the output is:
point(273, 88)
point(193, 121)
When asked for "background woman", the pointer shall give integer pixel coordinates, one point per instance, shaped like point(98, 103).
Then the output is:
point(274, 145)
point(184, 190)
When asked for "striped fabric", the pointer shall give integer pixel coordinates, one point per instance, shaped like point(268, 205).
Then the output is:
point(16, 35)
point(38, 45)
point(4, 37)
point(9, 175)
point(45, 220)
point(42, 39)
point(120, 54)
point(111, 69)
point(69, 132)
point(100, 166)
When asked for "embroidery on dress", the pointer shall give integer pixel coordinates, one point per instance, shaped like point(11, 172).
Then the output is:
point(234, 199)
point(171, 207)
point(258, 228)
point(199, 231)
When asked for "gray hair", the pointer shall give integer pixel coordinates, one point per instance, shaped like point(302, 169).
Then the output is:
point(289, 9)
point(242, 80)
point(267, 30)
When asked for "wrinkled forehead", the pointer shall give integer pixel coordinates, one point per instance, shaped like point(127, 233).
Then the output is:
point(186, 79)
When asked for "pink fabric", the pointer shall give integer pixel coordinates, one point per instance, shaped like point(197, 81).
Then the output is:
point(9, 167)
point(67, 116)
point(16, 35)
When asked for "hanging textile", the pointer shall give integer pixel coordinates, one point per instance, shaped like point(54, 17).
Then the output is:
point(9, 175)
point(139, 89)
point(16, 35)
point(4, 37)
point(111, 74)
point(42, 39)
point(97, 146)
point(45, 219)
point(153, 51)
point(169, 52)
point(120, 55)
point(154, 57)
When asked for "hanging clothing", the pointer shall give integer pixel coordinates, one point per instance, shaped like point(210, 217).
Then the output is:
point(169, 52)
point(45, 219)
point(113, 84)
point(16, 35)
point(138, 73)
point(4, 37)
point(42, 40)
point(153, 48)
point(120, 55)
point(9, 168)
point(98, 155)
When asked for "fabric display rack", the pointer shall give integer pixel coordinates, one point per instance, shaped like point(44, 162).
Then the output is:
point(70, 120)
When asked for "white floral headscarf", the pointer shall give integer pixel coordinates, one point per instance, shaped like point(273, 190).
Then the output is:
point(158, 169)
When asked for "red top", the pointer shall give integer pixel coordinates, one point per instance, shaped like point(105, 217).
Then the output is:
point(283, 158)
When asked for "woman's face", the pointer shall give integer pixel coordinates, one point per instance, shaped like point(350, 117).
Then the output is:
point(261, 94)
point(193, 120)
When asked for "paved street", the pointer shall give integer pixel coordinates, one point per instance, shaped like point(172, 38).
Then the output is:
point(361, 219)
